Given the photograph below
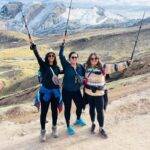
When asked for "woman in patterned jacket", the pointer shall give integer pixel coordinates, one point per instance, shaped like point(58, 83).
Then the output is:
point(95, 87)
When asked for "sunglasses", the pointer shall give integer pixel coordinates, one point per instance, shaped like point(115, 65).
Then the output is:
point(74, 57)
point(94, 58)
point(52, 56)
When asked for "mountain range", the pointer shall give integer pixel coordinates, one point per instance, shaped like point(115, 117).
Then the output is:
point(45, 17)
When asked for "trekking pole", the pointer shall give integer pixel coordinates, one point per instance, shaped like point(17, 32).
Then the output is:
point(66, 29)
point(26, 26)
point(137, 38)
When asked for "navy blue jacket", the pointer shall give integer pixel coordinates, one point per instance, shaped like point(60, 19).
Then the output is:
point(69, 81)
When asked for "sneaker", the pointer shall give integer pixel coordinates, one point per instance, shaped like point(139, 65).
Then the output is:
point(70, 130)
point(54, 132)
point(80, 122)
point(103, 134)
point(43, 135)
point(93, 128)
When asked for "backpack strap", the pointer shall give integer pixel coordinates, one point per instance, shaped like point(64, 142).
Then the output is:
point(52, 71)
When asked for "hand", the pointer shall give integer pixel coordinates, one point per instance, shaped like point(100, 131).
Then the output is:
point(37, 105)
point(33, 46)
point(62, 45)
point(129, 62)
point(60, 107)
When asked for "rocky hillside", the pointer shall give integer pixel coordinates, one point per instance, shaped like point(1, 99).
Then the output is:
point(11, 39)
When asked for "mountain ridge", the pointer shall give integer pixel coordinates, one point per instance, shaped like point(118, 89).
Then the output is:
point(50, 18)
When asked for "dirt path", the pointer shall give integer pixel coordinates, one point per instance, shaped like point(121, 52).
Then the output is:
point(127, 123)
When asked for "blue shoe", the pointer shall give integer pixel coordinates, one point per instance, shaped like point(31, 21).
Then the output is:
point(70, 130)
point(80, 122)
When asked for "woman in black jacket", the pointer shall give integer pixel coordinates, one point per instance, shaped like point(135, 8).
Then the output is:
point(49, 90)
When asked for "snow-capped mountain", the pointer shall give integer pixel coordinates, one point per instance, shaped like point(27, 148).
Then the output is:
point(50, 18)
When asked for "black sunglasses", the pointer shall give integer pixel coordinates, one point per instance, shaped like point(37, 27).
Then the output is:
point(74, 57)
point(94, 58)
point(52, 56)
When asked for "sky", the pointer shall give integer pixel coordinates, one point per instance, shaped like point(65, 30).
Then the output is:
point(128, 8)
point(113, 2)
point(103, 2)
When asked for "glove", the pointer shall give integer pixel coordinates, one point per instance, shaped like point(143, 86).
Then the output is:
point(33, 46)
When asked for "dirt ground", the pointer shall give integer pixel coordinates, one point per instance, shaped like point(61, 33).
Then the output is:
point(127, 123)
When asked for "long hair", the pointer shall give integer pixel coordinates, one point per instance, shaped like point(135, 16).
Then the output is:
point(99, 63)
point(55, 59)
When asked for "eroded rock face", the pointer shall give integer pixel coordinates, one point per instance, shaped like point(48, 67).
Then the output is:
point(10, 10)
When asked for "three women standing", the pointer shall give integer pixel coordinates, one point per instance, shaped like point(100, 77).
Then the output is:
point(93, 73)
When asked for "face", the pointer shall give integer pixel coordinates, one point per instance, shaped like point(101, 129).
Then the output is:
point(74, 59)
point(94, 60)
point(51, 57)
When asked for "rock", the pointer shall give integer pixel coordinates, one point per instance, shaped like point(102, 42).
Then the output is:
point(10, 10)
point(100, 11)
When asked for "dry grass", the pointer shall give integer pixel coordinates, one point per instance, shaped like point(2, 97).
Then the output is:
point(17, 35)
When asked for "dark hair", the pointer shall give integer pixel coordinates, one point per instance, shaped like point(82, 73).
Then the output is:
point(88, 63)
point(46, 58)
point(71, 53)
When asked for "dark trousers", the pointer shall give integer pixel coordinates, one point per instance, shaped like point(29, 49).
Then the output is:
point(96, 103)
point(105, 100)
point(67, 99)
point(44, 110)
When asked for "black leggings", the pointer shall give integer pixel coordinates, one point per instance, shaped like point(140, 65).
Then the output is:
point(105, 99)
point(96, 102)
point(44, 110)
point(67, 99)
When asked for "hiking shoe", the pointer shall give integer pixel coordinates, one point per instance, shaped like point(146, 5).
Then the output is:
point(70, 130)
point(93, 128)
point(103, 134)
point(43, 135)
point(80, 122)
point(54, 132)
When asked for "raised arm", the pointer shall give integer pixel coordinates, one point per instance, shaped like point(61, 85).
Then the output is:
point(117, 67)
point(35, 51)
point(62, 58)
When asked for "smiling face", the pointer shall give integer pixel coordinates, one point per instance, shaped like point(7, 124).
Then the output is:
point(51, 58)
point(73, 59)
point(94, 60)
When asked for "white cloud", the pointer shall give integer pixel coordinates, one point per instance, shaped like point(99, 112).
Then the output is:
point(112, 2)
point(91, 2)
